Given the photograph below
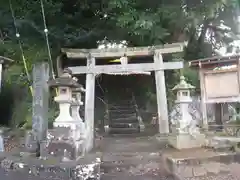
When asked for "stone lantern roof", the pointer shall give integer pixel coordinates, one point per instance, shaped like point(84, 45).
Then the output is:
point(64, 80)
point(79, 88)
point(183, 85)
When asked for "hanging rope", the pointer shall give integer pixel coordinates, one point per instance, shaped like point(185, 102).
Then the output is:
point(46, 37)
point(20, 47)
point(47, 41)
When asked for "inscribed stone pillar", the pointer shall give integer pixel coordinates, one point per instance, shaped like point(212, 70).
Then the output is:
point(40, 100)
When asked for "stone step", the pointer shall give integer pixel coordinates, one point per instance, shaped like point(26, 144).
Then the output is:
point(121, 101)
point(124, 120)
point(121, 107)
point(123, 125)
point(122, 115)
point(123, 130)
point(126, 111)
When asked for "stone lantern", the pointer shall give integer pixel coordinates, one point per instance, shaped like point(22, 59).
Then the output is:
point(187, 134)
point(183, 116)
point(64, 85)
point(65, 138)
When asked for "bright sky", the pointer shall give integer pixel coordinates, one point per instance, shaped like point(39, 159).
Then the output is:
point(103, 45)
point(236, 43)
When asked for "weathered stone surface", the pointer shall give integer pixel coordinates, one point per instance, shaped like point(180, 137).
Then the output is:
point(186, 141)
point(199, 171)
point(40, 100)
point(184, 171)
point(29, 168)
point(63, 144)
point(30, 142)
point(60, 133)
point(65, 149)
point(204, 165)
point(213, 167)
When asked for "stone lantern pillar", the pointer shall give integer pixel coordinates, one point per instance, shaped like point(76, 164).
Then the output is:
point(75, 107)
point(186, 133)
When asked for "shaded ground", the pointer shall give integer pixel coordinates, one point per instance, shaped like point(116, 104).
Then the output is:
point(142, 158)
point(130, 158)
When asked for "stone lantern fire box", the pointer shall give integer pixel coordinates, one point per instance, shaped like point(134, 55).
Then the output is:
point(65, 138)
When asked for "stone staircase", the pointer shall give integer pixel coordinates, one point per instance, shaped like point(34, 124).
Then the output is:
point(123, 117)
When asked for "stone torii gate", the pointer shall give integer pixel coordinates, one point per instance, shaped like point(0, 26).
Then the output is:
point(158, 66)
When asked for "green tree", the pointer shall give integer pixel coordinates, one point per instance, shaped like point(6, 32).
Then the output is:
point(82, 24)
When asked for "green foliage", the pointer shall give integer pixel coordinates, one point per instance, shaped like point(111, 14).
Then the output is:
point(22, 115)
point(192, 76)
point(82, 23)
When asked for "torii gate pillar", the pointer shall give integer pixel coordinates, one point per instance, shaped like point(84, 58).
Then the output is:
point(89, 104)
point(161, 95)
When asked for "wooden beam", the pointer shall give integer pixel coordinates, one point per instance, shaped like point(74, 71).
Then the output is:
point(118, 52)
point(128, 68)
point(161, 95)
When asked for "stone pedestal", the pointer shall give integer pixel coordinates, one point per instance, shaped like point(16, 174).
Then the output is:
point(63, 143)
point(201, 164)
point(186, 141)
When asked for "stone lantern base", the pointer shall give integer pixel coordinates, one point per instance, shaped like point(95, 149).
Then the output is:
point(65, 142)
point(186, 141)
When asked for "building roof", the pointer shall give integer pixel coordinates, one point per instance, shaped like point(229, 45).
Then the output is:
point(216, 61)
point(5, 60)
